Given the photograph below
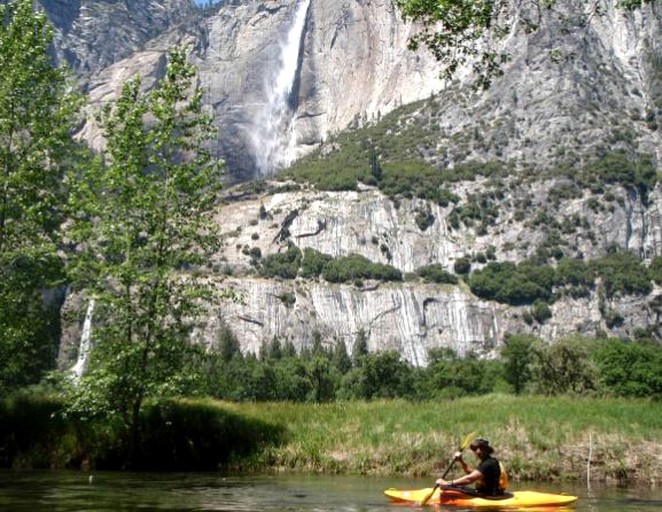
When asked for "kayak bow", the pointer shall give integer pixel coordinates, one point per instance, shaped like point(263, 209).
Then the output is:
point(517, 499)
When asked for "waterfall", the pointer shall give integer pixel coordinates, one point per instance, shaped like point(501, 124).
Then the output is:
point(85, 344)
point(274, 138)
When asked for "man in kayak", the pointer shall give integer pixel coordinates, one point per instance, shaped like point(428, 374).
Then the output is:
point(487, 476)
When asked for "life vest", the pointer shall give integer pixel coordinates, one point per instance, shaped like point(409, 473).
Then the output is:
point(503, 477)
point(495, 487)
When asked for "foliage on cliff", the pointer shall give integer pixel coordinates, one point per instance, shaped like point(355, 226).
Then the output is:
point(460, 31)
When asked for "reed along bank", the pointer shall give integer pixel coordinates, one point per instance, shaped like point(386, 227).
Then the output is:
point(538, 438)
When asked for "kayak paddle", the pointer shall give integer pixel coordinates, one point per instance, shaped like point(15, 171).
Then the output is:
point(465, 443)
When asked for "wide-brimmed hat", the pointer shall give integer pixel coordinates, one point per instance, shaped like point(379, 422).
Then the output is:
point(481, 443)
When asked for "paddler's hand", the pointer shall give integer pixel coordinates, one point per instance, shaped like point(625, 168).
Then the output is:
point(457, 457)
point(441, 482)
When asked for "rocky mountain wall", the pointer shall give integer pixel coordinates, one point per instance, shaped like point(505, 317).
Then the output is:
point(569, 96)
point(566, 86)
point(353, 64)
point(91, 35)
point(412, 316)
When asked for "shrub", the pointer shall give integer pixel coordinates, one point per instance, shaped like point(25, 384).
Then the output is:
point(314, 262)
point(424, 219)
point(355, 266)
point(435, 273)
point(513, 284)
point(623, 273)
point(462, 265)
point(541, 311)
point(285, 265)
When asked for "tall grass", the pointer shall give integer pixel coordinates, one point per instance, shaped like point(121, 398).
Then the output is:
point(174, 436)
point(32, 434)
point(539, 438)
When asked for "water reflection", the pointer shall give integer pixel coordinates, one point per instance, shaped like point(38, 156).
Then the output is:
point(76, 491)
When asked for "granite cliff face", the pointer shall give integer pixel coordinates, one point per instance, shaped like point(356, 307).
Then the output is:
point(286, 78)
point(349, 63)
point(411, 316)
point(91, 35)
point(564, 87)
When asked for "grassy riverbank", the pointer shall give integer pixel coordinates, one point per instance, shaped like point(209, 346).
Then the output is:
point(564, 438)
point(538, 438)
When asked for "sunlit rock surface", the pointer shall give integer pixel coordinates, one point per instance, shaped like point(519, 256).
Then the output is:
point(567, 97)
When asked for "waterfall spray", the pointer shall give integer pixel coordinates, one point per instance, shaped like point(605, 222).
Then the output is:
point(274, 139)
point(85, 344)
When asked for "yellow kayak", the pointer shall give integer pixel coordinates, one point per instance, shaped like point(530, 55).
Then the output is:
point(516, 499)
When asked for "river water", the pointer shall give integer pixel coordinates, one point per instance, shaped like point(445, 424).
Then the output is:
point(78, 491)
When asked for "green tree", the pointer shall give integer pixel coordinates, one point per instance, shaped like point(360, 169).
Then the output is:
point(29, 318)
point(317, 347)
point(518, 357)
point(565, 366)
point(314, 263)
point(293, 380)
point(37, 117)
point(435, 273)
point(265, 379)
point(323, 378)
point(289, 350)
point(448, 375)
point(360, 348)
point(275, 349)
point(340, 358)
point(143, 218)
point(381, 375)
point(226, 380)
point(228, 344)
point(630, 369)
point(541, 311)
point(375, 167)
point(356, 266)
point(285, 265)
point(512, 284)
point(453, 30)
point(462, 265)
point(573, 272)
point(655, 269)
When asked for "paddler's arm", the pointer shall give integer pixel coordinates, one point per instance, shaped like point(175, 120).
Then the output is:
point(463, 480)
point(471, 474)
point(465, 467)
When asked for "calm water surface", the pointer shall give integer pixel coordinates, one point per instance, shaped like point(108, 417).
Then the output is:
point(77, 491)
